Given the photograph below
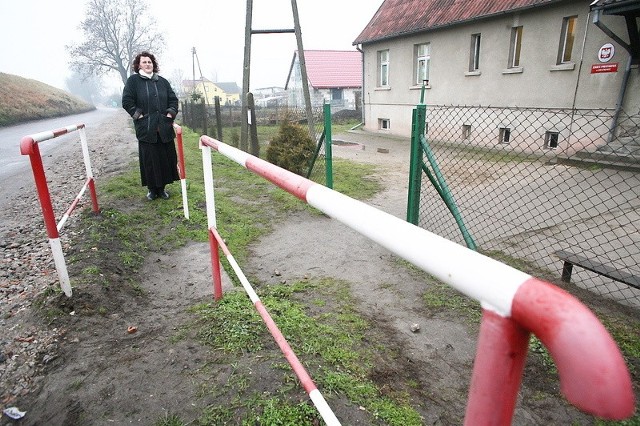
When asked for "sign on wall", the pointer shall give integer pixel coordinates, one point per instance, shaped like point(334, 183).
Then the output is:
point(605, 54)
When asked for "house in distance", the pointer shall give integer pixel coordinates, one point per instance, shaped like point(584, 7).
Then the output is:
point(229, 92)
point(335, 77)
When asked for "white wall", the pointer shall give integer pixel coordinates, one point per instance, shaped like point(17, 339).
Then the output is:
point(540, 83)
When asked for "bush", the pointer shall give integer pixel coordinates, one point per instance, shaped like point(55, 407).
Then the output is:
point(292, 148)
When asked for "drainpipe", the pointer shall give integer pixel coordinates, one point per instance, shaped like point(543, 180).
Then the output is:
point(362, 90)
point(584, 43)
point(575, 92)
point(625, 78)
point(623, 89)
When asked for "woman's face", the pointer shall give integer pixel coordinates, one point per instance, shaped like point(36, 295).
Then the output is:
point(146, 64)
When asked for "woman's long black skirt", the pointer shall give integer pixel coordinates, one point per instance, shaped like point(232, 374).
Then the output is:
point(158, 164)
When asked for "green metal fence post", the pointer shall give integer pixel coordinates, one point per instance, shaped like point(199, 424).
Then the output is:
point(446, 195)
point(420, 147)
point(415, 171)
point(327, 147)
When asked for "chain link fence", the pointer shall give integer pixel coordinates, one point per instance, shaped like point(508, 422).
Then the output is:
point(202, 117)
point(531, 182)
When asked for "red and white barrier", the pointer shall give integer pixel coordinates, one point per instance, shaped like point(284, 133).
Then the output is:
point(182, 170)
point(309, 386)
point(29, 146)
point(593, 374)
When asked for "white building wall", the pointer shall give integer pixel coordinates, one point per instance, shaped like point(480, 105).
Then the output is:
point(538, 83)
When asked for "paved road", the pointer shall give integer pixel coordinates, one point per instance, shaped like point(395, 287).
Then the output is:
point(15, 168)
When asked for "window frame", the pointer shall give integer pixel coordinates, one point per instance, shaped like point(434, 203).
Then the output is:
point(466, 131)
point(419, 60)
point(515, 47)
point(504, 134)
point(474, 53)
point(551, 139)
point(567, 34)
point(383, 68)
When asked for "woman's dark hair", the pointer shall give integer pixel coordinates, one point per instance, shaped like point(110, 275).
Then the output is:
point(135, 66)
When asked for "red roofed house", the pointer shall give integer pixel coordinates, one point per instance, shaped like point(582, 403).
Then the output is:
point(335, 76)
point(560, 54)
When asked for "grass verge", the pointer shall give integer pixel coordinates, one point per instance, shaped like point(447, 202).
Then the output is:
point(328, 335)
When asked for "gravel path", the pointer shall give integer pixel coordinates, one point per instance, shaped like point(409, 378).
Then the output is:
point(27, 267)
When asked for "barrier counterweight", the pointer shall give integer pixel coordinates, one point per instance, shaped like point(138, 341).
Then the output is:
point(29, 146)
point(593, 374)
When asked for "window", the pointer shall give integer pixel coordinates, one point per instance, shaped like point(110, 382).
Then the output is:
point(422, 54)
point(383, 68)
point(384, 124)
point(551, 140)
point(567, 38)
point(474, 53)
point(336, 94)
point(514, 47)
point(505, 135)
point(466, 131)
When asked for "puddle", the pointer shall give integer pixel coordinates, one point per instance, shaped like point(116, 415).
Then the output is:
point(339, 142)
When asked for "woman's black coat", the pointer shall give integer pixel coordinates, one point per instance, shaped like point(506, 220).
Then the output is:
point(148, 100)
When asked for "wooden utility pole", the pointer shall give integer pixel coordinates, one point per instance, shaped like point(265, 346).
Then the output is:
point(246, 73)
point(303, 70)
point(248, 32)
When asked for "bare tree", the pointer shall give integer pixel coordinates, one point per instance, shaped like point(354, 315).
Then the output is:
point(177, 82)
point(114, 32)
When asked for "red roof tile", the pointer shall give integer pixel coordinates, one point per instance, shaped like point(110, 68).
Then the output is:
point(333, 68)
point(402, 17)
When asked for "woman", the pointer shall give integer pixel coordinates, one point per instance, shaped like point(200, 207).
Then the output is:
point(153, 105)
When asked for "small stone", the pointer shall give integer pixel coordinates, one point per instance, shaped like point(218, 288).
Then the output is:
point(415, 327)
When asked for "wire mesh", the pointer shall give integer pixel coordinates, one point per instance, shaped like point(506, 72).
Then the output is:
point(529, 182)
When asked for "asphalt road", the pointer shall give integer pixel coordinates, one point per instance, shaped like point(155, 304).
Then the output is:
point(15, 168)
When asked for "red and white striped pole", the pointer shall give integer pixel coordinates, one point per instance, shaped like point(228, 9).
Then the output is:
point(309, 386)
point(29, 146)
point(182, 170)
point(211, 220)
point(593, 374)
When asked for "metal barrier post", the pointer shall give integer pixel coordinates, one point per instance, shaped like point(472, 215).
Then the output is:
point(89, 171)
point(328, 155)
point(182, 170)
point(500, 358)
point(29, 146)
point(216, 269)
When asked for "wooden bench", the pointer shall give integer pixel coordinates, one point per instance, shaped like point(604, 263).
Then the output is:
point(571, 259)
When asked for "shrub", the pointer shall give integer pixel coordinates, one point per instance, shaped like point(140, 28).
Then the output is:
point(235, 138)
point(292, 148)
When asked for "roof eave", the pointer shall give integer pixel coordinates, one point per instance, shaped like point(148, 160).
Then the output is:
point(453, 24)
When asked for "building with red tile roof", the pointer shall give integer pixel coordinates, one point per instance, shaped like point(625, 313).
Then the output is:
point(559, 54)
point(334, 76)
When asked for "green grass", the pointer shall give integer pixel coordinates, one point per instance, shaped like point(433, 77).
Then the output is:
point(331, 342)
point(440, 297)
point(25, 100)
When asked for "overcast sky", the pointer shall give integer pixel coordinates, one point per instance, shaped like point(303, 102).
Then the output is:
point(34, 34)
